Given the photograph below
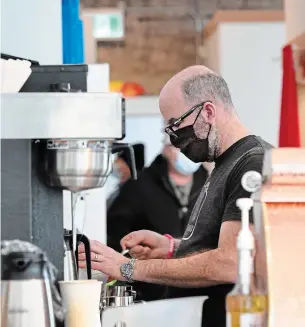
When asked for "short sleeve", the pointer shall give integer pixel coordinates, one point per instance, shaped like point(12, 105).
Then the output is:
point(234, 188)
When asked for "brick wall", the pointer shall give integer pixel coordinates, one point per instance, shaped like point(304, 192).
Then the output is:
point(159, 45)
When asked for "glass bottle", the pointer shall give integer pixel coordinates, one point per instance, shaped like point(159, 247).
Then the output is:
point(246, 304)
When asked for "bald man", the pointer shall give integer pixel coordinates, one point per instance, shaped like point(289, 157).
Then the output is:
point(203, 123)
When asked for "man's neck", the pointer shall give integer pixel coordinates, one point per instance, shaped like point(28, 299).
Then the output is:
point(177, 178)
point(233, 132)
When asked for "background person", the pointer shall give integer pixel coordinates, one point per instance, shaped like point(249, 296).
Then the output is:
point(121, 169)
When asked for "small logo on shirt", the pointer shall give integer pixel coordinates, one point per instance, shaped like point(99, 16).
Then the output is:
point(196, 212)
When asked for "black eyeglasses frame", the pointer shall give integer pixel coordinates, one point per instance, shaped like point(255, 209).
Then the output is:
point(169, 128)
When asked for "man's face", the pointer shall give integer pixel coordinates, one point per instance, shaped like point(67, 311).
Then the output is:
point(170, 152)
point(207, 128)
point(123, 169)
point(203, 121)
point(171, 110)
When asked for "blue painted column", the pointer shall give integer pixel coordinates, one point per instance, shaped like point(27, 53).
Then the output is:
point(72, 33)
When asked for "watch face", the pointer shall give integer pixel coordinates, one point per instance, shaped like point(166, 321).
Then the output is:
point(128, 269)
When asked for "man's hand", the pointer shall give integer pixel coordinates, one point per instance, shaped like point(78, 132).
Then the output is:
point(145, 244)
point(202, 269)
point(104, 259)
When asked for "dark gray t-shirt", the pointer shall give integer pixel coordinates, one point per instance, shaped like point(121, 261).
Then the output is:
point(215, 205)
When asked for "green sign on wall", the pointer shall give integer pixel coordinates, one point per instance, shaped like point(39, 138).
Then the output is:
point(108, 25)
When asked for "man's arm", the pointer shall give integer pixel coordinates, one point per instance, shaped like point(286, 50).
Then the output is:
point(213, 267)
point(203, 269)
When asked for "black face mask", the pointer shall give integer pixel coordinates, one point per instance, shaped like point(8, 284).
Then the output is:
point(190, 145)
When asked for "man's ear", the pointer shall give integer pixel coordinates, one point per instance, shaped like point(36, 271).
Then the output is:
point(209, 112)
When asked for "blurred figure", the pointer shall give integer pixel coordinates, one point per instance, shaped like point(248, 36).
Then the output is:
point(121, 170)
point(160, 201)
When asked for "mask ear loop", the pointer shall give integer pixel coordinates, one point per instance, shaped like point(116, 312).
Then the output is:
point(202, 106)
point(181, 119)
point(196, 138)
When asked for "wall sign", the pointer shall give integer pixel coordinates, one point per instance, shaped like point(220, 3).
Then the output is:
point(109, 25)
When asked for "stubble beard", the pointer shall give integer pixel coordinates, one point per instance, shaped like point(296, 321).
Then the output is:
point(214, 145)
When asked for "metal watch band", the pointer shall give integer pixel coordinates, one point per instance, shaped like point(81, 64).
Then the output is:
point(127, 270)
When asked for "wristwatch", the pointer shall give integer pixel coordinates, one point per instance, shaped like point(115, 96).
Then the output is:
point(127, 270)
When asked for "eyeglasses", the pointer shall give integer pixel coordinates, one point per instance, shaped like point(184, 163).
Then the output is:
point(169, 129)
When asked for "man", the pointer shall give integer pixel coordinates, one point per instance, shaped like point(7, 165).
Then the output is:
point(160, 201)
point(203, 123)
point(121, 169)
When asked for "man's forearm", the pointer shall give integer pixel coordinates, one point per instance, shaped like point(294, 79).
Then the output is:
point(202, 269)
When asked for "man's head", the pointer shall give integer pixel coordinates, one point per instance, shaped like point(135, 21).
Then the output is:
point(121, 170)
point(202, 101)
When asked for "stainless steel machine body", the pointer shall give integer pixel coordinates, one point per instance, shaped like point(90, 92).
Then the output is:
point(78, 129)
point(93, 116)
point(117, 296)
point(70, 138)
point(120, 295)
point(77, 165)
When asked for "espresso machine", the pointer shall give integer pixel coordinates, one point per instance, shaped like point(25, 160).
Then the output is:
point(55, 136)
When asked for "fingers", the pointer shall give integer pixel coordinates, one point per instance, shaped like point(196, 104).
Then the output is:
point(81, 248)
point(99, 252)
point(125, 240)
point(94, 265)
point(106, 260)
point(140, 252)
point(93, 256)
point(82, 264)
point(137, 250)
point(132, 239)
point(95, 246)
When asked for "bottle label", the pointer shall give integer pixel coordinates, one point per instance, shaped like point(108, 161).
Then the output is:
point(229, 320)
point(247, 320)
point(251, 320)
